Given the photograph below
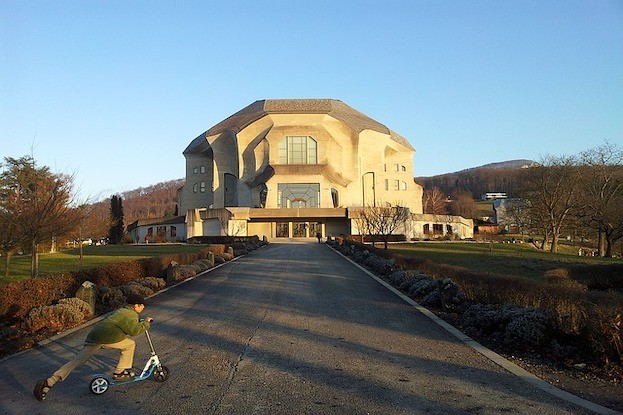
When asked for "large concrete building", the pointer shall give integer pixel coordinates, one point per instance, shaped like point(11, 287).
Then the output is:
point(294, 167)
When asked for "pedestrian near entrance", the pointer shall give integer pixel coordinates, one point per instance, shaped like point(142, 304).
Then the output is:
point(110, 333)
point(319, 236)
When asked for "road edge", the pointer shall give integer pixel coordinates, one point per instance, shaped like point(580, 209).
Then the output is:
point(488, 353)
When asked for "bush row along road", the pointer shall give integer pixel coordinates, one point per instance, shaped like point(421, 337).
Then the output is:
point(288, 329)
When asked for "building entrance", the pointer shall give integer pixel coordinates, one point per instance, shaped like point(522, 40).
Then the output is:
point(297, 229)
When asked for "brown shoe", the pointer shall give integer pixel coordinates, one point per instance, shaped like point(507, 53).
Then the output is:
point(127, 374)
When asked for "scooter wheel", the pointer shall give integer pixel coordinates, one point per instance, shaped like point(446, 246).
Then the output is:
point(99, 385)
point(161, 374)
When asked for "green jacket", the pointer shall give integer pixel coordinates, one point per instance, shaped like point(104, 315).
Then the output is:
point(114, 328)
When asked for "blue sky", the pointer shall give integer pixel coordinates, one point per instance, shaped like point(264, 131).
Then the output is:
point(113, 91)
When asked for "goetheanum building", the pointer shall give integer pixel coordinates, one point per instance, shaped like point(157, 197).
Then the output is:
point(294, 167)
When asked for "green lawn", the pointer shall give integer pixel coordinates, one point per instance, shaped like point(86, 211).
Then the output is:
point(69, 260)
point(498, 258)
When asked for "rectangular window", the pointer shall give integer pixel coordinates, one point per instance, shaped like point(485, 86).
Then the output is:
point(396, 184)
point(202, 169)
point(404, 185)
point(386, 184)
point(202, 187)
point(173, 232)
point(195, 188)
point(298, 150)
point(161, 230)
point(396, 167)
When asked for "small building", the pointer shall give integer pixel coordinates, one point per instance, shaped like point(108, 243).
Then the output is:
point(494, 195)
point(158, 230)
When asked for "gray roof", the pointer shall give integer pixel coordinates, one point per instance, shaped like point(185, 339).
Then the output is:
point(332, 107)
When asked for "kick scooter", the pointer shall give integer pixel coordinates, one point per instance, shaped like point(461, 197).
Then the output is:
point(101, 382)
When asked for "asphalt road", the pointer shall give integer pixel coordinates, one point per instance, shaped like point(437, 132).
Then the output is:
point(288, 329)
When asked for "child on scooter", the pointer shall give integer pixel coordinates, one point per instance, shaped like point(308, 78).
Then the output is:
point(110, 333)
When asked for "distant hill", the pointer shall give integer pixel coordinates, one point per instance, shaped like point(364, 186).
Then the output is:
point(510, 164)
point(504, 176)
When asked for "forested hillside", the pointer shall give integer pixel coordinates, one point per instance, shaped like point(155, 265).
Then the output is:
point(496, 177)
point(156, 201)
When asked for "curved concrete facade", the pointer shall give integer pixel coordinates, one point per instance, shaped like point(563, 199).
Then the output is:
point(305, 160)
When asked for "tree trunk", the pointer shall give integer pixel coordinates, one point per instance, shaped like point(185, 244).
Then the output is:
point(600, 243)
point(608, 253)
point(7, 264)
point(555, 236)
point(34, 261)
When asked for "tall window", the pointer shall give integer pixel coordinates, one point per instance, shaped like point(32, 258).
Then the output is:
point(298, 150)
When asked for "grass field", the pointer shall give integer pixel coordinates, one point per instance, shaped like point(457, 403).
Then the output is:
point(522, 260)
point(69, 260)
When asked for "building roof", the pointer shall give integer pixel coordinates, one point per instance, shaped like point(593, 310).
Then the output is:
point(332, 107)
point(176, 220)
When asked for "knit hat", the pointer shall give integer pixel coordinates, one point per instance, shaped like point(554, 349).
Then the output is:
point(135, 299)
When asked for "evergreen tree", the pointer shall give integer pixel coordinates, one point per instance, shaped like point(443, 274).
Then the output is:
point(36, 205)
point(117, 230)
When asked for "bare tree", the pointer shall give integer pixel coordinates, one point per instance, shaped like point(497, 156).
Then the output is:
point(37, 202)
point(463, 204)
point(601, 178)
point(434, 202)
point(551, 192)
point(379, 222)
point(516, 215)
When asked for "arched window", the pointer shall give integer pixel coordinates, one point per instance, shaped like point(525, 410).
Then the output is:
point(298, 150)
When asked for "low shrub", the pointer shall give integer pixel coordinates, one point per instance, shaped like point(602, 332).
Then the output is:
point(18, 298)
point(216, 249)
point(62, 316)
point(561, 277)
point(135, 288)
point(108, 299)
point(218, 259)
point(153, 283)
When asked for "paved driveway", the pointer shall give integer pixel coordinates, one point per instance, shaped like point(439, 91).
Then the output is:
point(288, 329)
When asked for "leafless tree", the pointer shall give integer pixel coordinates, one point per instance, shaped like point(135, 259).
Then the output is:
point(434, 202)
point(551, 191)
point(463, 204)
point(381, 221)
point(600, 174)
